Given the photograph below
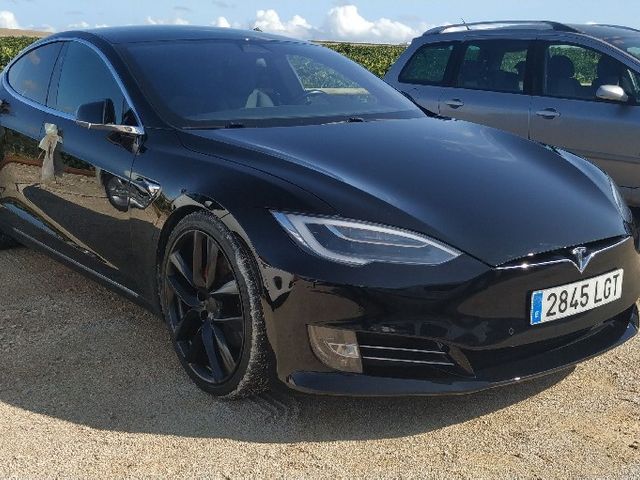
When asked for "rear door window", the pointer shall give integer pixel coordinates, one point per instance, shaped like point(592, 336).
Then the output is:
point(31, 74)
point(428, 65)
point(494, 65)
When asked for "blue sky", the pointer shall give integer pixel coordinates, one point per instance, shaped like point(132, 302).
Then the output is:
point(353, 20)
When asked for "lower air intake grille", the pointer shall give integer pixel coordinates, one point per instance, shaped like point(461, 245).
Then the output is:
point(413, 356)
point(409, 357)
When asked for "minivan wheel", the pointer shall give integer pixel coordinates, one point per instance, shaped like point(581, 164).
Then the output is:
point(210, 298)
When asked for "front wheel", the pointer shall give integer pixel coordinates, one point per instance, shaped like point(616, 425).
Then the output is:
point(210, 298)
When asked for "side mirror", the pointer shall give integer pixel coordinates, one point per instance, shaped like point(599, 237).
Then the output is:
point(102, 116)
point(612, 93)
point(97, 113)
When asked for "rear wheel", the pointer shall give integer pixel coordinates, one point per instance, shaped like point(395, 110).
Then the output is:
point(211, 303)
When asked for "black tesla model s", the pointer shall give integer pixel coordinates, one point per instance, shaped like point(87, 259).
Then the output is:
point(292, 217)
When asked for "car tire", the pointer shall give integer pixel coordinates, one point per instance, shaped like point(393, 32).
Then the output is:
point(197, 351)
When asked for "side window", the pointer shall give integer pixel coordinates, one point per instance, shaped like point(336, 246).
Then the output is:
point(31, 74)
point(85, 78)
point(428, 65)
point(495, 65)
point(633, 87)
point(576, 72)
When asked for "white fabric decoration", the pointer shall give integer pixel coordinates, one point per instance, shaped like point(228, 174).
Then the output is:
point(48, 144)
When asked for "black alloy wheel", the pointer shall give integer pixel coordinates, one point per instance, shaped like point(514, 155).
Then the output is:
point(208, 305)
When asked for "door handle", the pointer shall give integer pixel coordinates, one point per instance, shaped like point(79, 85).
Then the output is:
point(548, 113)
point(4, 106)
point(455, 103)
point(150, 187)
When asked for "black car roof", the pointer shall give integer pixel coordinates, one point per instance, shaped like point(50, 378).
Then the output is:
point(149, 33)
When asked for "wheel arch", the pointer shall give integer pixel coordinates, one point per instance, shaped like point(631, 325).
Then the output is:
point(203, 204)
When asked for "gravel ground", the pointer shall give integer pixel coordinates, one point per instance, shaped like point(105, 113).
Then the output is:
point(90, 387)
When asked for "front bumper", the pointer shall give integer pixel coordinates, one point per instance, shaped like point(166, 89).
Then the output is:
point(590, 344)
point(454, 338)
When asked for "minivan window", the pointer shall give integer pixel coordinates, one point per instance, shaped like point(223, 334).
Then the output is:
point(428, 65)
point(85, 78)
point(31, 74)
point(576, 72)
point(495, 65)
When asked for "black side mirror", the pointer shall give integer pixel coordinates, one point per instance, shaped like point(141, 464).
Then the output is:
point(102, 116)
point(97, 113)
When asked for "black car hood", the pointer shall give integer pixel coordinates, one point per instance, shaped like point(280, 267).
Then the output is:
point(485, 192)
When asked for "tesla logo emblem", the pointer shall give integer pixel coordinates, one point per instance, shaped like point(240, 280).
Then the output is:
point(582, 259)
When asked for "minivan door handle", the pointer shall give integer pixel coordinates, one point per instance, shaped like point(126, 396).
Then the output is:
point(548, 113)
point(454, 103)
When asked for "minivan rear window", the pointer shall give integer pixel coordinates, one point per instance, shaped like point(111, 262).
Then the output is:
point(428, 65)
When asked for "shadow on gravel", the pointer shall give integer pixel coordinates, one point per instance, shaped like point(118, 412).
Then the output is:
point(71, 350)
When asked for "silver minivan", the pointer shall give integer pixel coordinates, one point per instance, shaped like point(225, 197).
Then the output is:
point(572, 86)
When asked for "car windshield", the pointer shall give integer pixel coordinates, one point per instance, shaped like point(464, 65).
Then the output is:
point(629, 42)
point(223, 83)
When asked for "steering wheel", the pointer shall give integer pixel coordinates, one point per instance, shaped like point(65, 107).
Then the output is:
point(309, 94)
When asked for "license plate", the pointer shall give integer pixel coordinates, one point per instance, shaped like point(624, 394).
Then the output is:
point(566, 300)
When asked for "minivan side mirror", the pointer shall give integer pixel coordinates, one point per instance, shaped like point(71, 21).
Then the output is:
point(102, 116)
point(612, 93)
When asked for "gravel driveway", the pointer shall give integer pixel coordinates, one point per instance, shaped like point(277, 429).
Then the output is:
point(90, 387)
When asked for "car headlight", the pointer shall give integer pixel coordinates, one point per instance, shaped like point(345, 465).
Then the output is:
point(360, 243)
point(623, 208)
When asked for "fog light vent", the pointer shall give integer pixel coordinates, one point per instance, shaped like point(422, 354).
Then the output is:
point(336, 348)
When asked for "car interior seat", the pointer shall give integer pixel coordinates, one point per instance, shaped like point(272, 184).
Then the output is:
point(521, 68)
point(504, 81)
point(609, 73)
point(471, 74)
point(263, 95)
point(561, 81)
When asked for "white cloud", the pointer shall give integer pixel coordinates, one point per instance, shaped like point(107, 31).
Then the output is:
point(8, 19)
point(80, 25)
point(269, 21)
point(222, 22)
point(345, 23)
point(175, 21)
point(341, 23)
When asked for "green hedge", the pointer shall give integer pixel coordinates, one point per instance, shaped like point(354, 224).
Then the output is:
point(11, 46)
point(377, 58)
